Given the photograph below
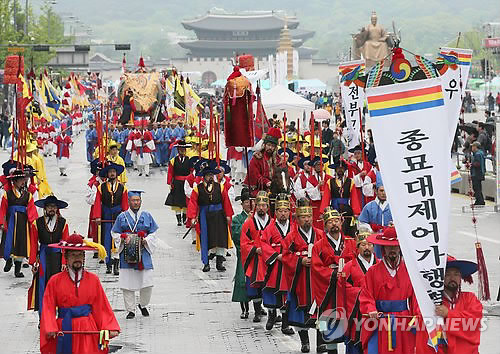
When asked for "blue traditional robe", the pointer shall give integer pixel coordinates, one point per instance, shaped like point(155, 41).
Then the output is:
point(91, 139)
point(373, 213)
point(138, 275)
point(158, 139)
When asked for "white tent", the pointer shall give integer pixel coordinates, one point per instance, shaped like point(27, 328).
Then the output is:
point(280, 99)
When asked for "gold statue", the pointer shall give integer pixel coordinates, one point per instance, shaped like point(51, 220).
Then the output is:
point(372, 43)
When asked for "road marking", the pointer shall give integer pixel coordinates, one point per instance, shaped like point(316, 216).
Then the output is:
point(472, 235)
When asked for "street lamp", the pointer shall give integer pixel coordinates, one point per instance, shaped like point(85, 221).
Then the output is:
point(49, 2)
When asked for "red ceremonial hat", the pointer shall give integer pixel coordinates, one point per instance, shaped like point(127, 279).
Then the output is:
point(236, 73)
point(68, 85)
point(387, 238)
point(74, 242)
point(273, 136)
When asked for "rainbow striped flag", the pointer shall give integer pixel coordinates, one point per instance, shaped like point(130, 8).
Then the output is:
point(405, 101)
point(455, 177)
point(463, 58)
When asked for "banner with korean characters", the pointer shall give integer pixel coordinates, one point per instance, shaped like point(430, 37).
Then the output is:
point(408, 121)
point(353, 98)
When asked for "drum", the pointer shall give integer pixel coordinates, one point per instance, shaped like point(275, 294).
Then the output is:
point(132, 250)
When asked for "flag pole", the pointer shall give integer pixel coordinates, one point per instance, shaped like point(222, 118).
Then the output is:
point(313, 153)
point(362, 135)
point(284, 139)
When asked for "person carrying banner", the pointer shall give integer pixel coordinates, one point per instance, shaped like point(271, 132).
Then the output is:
point(46, 261)
point(74, 300)
point(134, 236)
point(326, 255)
point(179, 169)
point(388, 299)
point(461, 310)
point(296, 257)
point(251, 251)
point(261, 166)
point(210, 201)
point(275, 287)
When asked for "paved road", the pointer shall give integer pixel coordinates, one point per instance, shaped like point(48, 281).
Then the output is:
point(191, 311)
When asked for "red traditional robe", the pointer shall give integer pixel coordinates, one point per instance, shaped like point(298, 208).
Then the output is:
point(354, 172)
point(349, 286)
point(324, 263)
point(467, 310)
point(62, 143)
point(315, 198)
point(259, 174)
point(93, 227)
point(298, 276)
point(272, 240)
point(61, 292)
point(344, 190)
point(380, 285)
point(250, 240)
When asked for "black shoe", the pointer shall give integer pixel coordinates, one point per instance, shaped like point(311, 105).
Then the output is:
point(147, 175)
point(116, 267)
point(95, 255)
point(140, 174)
point(179, 219)
point(65, 175)
point(108, 269)
point(220, 267)
point(17, 270)
point(193, 242)
point(101, 262)
point(8, 265)
point(60, 174)
point(271, 320)
point(244, 315)
point(211, 256)
point(258, 310)
point(256, 318)
point(228, 254)
point(304, 341)
point(26, 265)
point(262, 311)
point(206, 268)
point(144, 311)
point(321, 348)
point(333, 351)
point(130, 315)
point(285, 328)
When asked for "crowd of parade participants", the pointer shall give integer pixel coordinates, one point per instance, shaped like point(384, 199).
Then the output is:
point(315, 242)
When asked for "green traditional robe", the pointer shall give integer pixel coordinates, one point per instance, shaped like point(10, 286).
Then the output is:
point(239, 290)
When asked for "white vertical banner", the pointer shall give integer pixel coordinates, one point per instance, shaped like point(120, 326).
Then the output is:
point(408, 122)
point(353, 98)
point(272, 72)
point(295, 63)
point(454, 78)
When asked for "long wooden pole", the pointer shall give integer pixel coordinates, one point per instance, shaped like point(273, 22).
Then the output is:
point(362, 135)
point(298, 138)
point(284, 140)
point(313, 153)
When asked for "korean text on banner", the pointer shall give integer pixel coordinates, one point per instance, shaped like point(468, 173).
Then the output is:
point(408, 121)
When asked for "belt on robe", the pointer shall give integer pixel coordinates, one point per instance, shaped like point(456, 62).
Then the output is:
point(337, 201)
point(107, 214)
point(44, 249)
point(65, 343)
point(9, 238)
point(203, 229)
point(387, 306)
